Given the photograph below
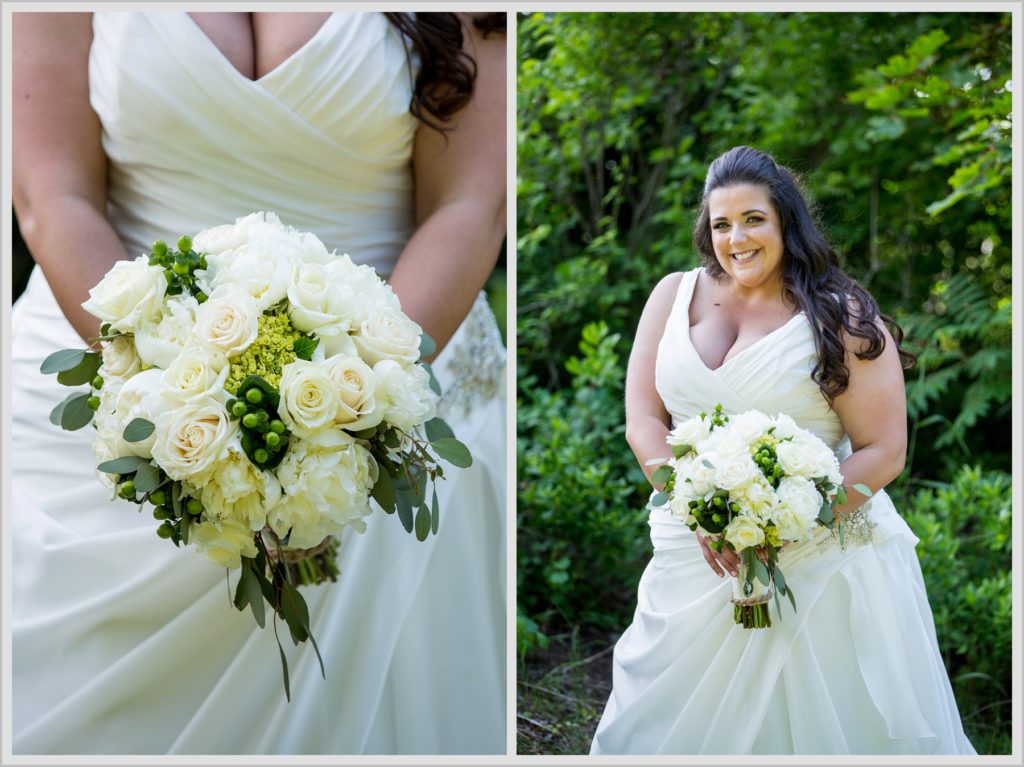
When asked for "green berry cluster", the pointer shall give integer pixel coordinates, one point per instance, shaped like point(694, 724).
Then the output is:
point(176, 517)
point(264, 435)
point(94, 400)
point(267, 355)
point(179, 267)
point(718, 418)
point(767, 461)
point(714, 514)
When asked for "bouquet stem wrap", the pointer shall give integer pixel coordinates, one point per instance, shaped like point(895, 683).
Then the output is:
point(751, 610)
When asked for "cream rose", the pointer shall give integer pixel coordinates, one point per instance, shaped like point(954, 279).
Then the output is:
point(744, 532)
point(218, 239)
point(191, 440)
point(748, 426)
point(387, 334)
point(405, 394)
point(228, 321)
point(130, 293)
point(120, 359)
point(309, 398)
point(691, 433)
point(197, 373)
point(734, 470)
point(356, 385)
point(224, 542)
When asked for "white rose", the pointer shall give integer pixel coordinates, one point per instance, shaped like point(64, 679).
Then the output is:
point(785, 426)
point(218, 239)
point(356, 385)
point(326, 482)
point(120, 359)
point(196, 373)
point(735, 469)
point(309, 398)
point(405, 394)
point(159, 341)
point(312, 305)
point(224, 542)
point(239, 491)
point(138, 398)
point(387, 334)
point(256, 266)
point(795, 458)
point(130, 293)
point(748, 426)
point(191, 440)
point(744, 533)
point(690, 433)
point(228, 321)
point(799, 504)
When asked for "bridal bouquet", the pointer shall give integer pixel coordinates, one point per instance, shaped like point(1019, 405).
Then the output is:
point(751, 483)
point(257, 391)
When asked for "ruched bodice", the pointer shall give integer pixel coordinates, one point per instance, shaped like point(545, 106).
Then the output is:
point(773, 375)
point(324, 140)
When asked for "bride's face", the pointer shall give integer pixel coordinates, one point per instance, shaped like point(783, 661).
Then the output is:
point(746, 234)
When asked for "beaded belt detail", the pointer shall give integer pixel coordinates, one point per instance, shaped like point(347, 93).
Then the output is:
point(858, 529)
point(477, 363)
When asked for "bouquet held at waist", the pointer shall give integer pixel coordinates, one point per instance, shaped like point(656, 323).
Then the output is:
point(751, 483)
point(256, 391)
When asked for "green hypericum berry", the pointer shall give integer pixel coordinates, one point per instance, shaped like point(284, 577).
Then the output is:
point(277, 426)
point(93, 402)
point(166, 530)
point(158, 497)
point(261, 455)
point(179, 268)
point(273, 440)
point(184, 243)
point(254, 395)
point(717, 518)
point(194, 507)
point(162, 512)
point(202, 262)
point(239, 409)
point(250, 421)
point(160, 248)
point(97, 383)
point(201, 297)
point(127, 490)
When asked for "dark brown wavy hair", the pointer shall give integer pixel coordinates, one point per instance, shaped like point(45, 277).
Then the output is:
point(447, 73)
point(832, 301)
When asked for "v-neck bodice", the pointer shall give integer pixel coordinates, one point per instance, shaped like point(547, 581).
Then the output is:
point(324, 139)
point(772, 375)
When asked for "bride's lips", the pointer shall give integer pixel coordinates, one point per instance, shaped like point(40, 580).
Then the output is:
point(745, 255)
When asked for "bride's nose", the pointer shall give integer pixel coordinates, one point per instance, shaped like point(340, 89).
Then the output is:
point(737, 235)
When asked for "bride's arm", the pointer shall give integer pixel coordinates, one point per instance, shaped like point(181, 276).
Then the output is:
point(58, 164)
point(460, 200)
point(873, 411)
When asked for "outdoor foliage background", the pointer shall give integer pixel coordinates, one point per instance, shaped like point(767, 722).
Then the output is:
point(900, 124)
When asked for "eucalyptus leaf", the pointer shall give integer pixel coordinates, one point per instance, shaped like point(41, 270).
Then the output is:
point(291, 594)
point(126, 464)
point(58, 412)
point(662, 474)
point(254, 594)
point(680, 450)
point(422, 523)
point(147, 478)
point(761, 572)
point(862, 489)
point(76, 412)
point(780, 581)
point(384, 492)
point(659, 499)
point(284, 669)
point(176, 499)
point(454, 452)
point(186, 531)
point(138, 429)
point(65, 359)
point(435, 513)
point(405, 510)
point(304, 347)
point(435, 385)
point(427, 345)
point(438, 429)
point(841, 495)
point(83, 372)
point(656, 461)
point(825, 514)
point(707, 463)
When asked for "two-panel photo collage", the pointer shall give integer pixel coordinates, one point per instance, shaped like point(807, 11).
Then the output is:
point(511, 385)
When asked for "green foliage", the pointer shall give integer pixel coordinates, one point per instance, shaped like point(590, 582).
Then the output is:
point(581, 520)
point(965, 554)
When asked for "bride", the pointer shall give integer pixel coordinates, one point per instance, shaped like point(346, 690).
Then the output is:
point(771, 323)
point(383, 134)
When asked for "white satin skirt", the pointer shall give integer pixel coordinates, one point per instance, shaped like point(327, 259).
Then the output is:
point(855, 669)
point(124, 644)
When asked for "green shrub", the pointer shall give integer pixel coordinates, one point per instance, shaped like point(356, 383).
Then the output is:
point(965, 554)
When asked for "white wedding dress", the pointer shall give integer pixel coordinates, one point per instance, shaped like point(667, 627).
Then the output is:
point(122, 643)
point(854, 670)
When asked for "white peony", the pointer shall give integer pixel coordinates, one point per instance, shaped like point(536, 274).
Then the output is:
point(228, 321)
point(356, 385)
point(191, 441)
point(785, 426)
point(405, 394)
point(309, 397)
point(387, 334)
point(139, 397)
point(218, 239)
point(757, 497)
point(160, 340)
point(744, 532)
point(799, 504)
point(120, 359)
point(197, 373)
point(690, 433)
point(326, 482)
point(259, 264)
point(239, 491)
point(130, 293)
point(224, 542)
point(797, 458)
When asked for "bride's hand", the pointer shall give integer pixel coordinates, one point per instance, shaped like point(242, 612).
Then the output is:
point(726, 559)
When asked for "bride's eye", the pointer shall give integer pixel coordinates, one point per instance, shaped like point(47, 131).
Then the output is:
point(720, 226)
